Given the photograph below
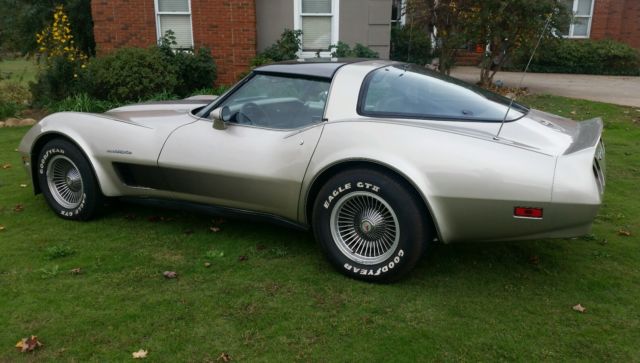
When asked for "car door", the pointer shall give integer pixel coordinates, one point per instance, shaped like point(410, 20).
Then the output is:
point(258, 162)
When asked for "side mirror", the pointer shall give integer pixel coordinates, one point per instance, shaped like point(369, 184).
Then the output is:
point(217, 116)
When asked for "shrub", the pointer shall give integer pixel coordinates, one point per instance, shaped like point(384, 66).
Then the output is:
point(285, 48)
point(64, 62)
point(13, 98)
point(131, 74)
point(9, 109)
point(582, 56)
point(343, 50)
point(193, 69)
point(411, 45)
point(82, 103)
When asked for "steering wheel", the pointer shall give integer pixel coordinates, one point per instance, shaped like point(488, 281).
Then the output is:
point(250, 113)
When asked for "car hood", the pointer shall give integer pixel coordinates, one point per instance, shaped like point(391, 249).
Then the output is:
point(157, 114)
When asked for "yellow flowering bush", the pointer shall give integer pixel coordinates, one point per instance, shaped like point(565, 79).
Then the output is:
point(56, 40)
point(64, 71)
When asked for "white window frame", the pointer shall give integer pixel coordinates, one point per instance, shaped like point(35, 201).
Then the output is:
point(335, 21)
point(589, 17)
point(159, 34)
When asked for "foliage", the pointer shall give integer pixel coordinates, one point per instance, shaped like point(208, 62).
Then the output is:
point(285, 48)
point(59, 80)
point(343, 50)
point(410, 44)
point(505, 25)
point(582, 56)
point(511, 25)
point(193, 69)
point(64, 62)
point(131, 74)
point(12, 91)
point(82, 103)
point(31, 16)
point(215, 91)
point(14, 97)
point(9, 109)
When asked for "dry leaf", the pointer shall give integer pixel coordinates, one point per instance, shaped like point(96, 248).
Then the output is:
point(243, 258)
point(170, 274)
point(224, 357)
point(260, 247)
point(23, 185)
point(6, 166)
point(207, 264)
point(573, 112)
point(2, 228)
point(76, 271)
point(141, 354)
point(214, 229)
point(18, 208)
point(534, 260)
point(579, 308)
point(624, 232)
point(28, 344)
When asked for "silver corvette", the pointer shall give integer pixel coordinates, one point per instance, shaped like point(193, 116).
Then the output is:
point(378, 158)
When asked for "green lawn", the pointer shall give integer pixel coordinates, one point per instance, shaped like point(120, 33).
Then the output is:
point(465, 302)
point(20, 70)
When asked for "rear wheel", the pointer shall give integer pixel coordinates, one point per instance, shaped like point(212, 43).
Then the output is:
point(67, 181)
point(370, 225)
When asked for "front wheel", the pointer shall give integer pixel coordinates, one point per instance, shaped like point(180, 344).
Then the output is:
point(370, 225)
point(67, 181)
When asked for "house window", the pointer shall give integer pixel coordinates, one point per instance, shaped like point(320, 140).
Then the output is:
point(175, 15)
point(318, 20)
point(582, 14)
point(398, 12)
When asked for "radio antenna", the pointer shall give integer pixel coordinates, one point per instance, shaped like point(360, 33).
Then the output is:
point(526, 68)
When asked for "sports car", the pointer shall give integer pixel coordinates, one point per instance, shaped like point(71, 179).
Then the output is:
point(378, 158)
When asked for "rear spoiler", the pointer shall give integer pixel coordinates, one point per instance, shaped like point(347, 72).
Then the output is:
point(588, 136)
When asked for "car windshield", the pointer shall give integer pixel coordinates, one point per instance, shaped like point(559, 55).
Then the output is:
point(415, 92)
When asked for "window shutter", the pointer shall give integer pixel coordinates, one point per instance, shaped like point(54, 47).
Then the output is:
point(316, 32)
point(181, 27)
point(173, 6)
point(316, 6)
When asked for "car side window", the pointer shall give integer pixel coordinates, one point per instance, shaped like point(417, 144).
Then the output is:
point(410, 92)
point(278, 102)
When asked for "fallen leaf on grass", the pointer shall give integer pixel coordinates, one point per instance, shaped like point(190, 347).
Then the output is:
point(224, 357)
point(260, 247)
point(214, 229)
point(76, 271)
point(207, 264)
point(624, 232)
point(243, 258)
point(579, 308)
point(18, 208)
point(141, 354)
point(534, 260)
point(170, 274)
point(6, 166)
point(23, 185)
point(28, 344)
point(2, 228)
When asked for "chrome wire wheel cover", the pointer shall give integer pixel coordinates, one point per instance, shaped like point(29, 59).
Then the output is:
point(365, 228)
point(65, 182)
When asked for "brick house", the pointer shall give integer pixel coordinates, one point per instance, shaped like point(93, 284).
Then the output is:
point(236, 29)
point(606, 19)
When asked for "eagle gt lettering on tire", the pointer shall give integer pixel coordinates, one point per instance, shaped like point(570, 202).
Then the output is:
point(370, 224)
point(67, 181)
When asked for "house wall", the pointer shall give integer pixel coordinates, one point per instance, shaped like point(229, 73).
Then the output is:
point(227, 27)
point(618, 20)
point(360, 21)
point(273, 17)
point(367, 22)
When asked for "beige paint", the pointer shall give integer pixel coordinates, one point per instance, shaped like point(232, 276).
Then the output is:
point(360, 21)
